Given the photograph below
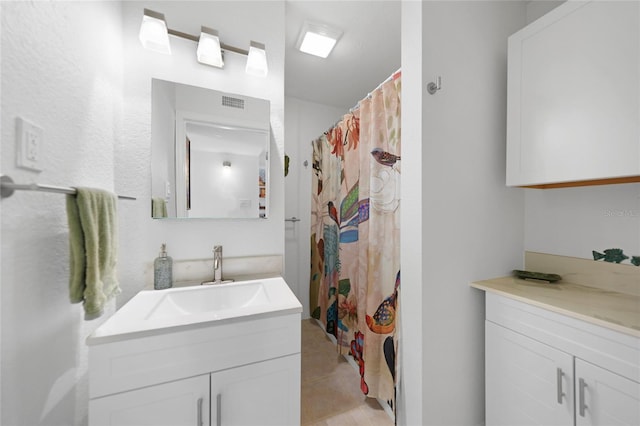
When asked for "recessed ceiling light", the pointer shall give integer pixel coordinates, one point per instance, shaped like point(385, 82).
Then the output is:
point(317, 39)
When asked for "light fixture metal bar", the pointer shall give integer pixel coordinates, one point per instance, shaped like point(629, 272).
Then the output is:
point(234, 49)
point(223, 46)
point(183, 35)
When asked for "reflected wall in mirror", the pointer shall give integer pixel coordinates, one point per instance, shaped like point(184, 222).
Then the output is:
point(209, 153)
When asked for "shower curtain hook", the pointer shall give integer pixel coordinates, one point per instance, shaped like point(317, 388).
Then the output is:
point(432, 87)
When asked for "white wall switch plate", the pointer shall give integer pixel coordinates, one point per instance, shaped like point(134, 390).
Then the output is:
point(29, 139)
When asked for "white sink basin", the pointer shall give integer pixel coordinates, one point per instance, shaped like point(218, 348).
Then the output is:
point(215, 298)
point(153, 311)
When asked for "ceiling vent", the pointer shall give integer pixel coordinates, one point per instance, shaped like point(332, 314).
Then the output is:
point(228, 101)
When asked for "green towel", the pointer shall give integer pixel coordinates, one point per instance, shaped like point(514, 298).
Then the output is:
point(93, 244)
point(158, 207)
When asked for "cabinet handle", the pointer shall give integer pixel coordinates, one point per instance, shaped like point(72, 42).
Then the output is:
point(219, 410)
point(199, 420)
point(581, 405)
point(559, 375)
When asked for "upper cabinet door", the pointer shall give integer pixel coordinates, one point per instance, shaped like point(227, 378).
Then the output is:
point(573, 109)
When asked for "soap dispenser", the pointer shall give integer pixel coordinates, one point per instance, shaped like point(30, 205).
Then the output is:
point(163, 270)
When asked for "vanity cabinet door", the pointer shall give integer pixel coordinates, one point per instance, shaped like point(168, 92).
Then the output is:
point(574, 95)
point(527, 382)
point(183, 402)
point(605, 398)
point(265, 393)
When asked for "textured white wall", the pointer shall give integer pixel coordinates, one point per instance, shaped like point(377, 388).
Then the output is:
point(470, 225)
point(63, 71)
point(305, 122)
point(77, 69)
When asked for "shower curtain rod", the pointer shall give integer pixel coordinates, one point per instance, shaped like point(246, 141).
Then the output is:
point(356, 106)
point(368, 96)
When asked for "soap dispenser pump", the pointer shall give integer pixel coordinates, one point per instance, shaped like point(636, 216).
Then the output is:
point(163, 270)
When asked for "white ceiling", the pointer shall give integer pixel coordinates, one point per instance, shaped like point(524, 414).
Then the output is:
point(367, 53)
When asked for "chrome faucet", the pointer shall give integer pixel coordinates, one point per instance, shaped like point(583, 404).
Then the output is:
point(217, 264)
point(217, 268)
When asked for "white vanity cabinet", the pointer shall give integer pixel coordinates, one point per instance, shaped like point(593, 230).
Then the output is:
point(547, 368)
point(527, 382)
point(183, 402)
point(573, 112)
point(266, 393)
point(256, 394)
point(244, 372)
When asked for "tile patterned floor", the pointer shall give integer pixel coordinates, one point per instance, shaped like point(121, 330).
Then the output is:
point(331, 386)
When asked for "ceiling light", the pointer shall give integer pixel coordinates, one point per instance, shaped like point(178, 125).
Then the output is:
point(257, 60)
point(153, 32)
point(208, 51)
point(226, 164)
point(317, 39)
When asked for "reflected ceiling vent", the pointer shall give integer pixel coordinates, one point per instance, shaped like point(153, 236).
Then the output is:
point(228, 101)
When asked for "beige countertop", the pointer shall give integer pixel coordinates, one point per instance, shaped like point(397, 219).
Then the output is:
point(610, 309)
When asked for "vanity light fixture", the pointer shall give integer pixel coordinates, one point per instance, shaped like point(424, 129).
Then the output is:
point(257, 60)
point(154, 35)
point(317, 39)
point(226, 164)
point(209, 51)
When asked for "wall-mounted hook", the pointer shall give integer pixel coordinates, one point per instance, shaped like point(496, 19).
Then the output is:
point(432, 87)
point(305, 164)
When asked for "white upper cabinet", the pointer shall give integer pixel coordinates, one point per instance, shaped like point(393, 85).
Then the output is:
point(573, 112)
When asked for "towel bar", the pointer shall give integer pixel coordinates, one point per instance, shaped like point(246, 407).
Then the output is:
point(7, 187)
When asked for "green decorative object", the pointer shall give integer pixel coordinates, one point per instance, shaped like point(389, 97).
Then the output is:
point(540, 276)
point(635, 260)
point(614, 255)
point(286, 164)
point(316, 313)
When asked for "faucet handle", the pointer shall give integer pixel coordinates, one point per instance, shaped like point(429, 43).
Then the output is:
point(217, 249)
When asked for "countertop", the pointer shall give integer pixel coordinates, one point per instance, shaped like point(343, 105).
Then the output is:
point(610, 309)
point(186, 307)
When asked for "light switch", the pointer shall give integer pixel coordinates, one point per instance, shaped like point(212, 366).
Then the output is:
point(29, 139)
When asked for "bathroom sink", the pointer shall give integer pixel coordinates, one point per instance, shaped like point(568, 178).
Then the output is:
point(214, 298)
point(157, 311)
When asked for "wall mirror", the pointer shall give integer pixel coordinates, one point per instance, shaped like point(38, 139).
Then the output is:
point(209, 153)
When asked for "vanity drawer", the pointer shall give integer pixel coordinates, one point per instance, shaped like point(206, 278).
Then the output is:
point(148, 360)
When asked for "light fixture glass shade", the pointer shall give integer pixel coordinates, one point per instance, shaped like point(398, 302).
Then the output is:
point(153, 32)
point(257, 60)
point(209, 51)
point(317, 39)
